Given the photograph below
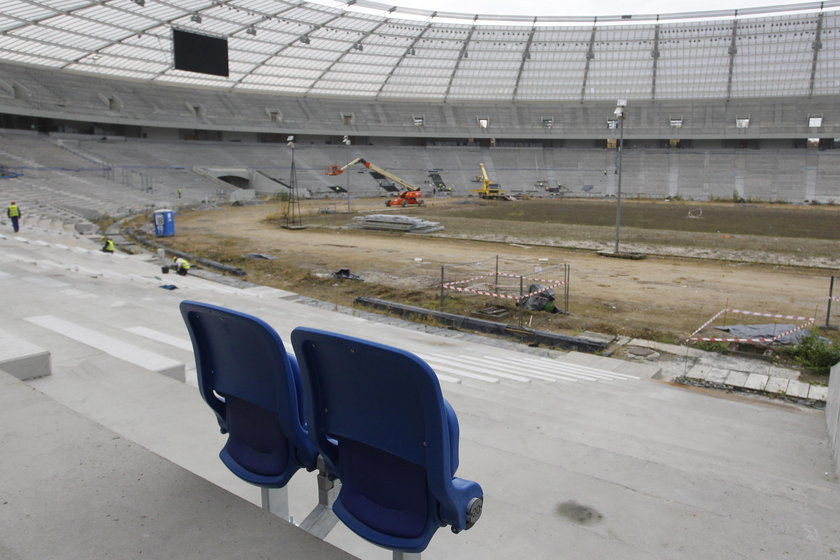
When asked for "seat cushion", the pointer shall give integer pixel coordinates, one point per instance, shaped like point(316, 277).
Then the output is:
point(255, 440)
point(383, 491)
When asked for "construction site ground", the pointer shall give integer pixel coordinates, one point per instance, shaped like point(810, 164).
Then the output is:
point(700, 257)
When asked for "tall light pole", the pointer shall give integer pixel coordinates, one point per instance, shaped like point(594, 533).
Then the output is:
point(620, 109)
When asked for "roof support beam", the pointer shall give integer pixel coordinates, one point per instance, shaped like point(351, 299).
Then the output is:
point(733, 50)
point(817, 47)
point(590, 54)
point(654, 54)
point(461, 56)
point(526, 56)
point(410, 51)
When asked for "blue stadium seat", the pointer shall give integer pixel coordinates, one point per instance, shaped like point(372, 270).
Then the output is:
point(254, 388)
point(378, 418)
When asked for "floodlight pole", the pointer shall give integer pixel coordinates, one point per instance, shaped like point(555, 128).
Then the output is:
point(619, 113)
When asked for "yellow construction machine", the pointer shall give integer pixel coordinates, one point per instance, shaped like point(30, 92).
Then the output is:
point(489, 189)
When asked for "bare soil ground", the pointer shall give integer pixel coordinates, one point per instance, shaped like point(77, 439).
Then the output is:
point(701, 257)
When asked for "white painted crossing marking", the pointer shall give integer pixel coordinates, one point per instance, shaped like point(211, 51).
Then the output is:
point(152, 334)
point(109, 345)
point(547, 368)
point(460, 365)
point(559, 365)
point(522, 368)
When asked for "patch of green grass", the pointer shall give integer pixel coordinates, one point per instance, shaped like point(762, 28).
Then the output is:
point(815, 353)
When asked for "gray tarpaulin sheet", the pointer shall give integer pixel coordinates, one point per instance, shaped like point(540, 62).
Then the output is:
point(766, 331)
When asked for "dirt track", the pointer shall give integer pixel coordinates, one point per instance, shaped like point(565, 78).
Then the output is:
point(658, 297)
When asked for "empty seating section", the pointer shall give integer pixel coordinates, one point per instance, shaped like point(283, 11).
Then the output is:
point(79, 184)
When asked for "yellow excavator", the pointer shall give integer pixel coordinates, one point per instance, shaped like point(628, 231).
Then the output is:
point(489, 189)
point(409, 194)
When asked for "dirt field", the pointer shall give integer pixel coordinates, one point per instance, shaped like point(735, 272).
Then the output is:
point(701, 257)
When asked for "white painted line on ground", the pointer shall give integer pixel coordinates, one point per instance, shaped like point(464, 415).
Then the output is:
point(512, 364)
point(546, 368)
point(586, 370)
point(152, 334)
point(468, 375)
point(109, 345)
point(472, 365)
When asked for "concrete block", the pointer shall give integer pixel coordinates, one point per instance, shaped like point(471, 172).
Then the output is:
point(708, 373)
point(798, 389)
point(698, 372)
point(818, 392)
point(756, 381)
point(23, 359)
point(737, 379)
point(777, 385)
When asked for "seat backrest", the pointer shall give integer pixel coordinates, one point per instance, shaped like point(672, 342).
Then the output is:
point(254, 388)
point(378, 417)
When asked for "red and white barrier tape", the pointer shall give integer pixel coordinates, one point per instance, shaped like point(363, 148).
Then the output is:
point(808, 322)
point(455, 287)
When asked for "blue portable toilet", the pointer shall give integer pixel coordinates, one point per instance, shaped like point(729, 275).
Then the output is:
point(164, 221)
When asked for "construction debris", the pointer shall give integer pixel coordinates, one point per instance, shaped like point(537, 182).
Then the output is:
point(344, 273)
point(389, 222)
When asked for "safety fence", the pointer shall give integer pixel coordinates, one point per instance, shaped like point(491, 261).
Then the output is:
point(805, 322)
point(543, 287)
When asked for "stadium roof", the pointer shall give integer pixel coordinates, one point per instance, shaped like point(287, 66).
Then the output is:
point(370, 50)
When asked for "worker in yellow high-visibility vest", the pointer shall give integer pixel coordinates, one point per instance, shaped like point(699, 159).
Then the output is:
point(13, 212)
point(108, 246)
point(182, 266)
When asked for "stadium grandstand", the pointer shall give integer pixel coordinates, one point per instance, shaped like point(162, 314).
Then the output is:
point(719, 104)
point(106, 447)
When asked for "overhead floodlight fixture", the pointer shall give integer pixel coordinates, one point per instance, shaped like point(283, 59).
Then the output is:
point(815, 121)
point(742, 122)
point(676, 122)
point(251, 30)
point(140, 3)
point(290, 138)
point(305, 40)
point(290, 142)
point(195, 18)
point(411, 52)
point(358, 47)
point(346, 141)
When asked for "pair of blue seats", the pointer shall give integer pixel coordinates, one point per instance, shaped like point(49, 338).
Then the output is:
point(373, 413)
